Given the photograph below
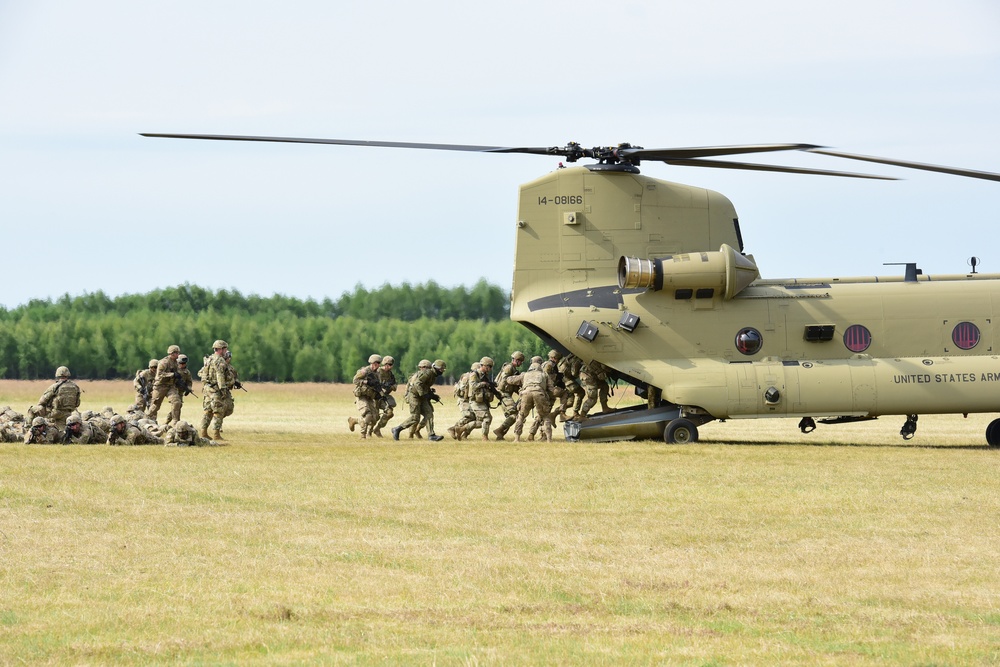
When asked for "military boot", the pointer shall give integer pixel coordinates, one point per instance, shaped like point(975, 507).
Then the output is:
point(498, 433)
point(203, 432)
point(395, 432)
point(352, 422)
point(216, 435)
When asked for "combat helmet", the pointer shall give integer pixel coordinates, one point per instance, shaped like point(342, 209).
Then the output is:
point(375, 359)
point(220, 345)
point(174, 348)
point(555, 355)
point(153, 363)
point(486, 361)
point(73, 419)
point(39, 421)
point(439, 366)
point(182, 359)
point(536, 360)
point(518, 356)
point(117, 419)
point(424, 364)
point(62, 372)
point(534, 366)
point(388, 361)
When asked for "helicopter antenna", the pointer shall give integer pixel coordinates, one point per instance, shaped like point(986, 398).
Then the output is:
point(973, 262)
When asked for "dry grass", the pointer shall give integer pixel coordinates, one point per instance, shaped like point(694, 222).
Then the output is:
point(300, 544)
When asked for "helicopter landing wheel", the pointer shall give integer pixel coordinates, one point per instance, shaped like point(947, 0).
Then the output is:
point(993, 433)
point(682, 432)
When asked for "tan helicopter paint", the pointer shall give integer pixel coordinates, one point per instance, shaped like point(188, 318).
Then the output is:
point(574, 225)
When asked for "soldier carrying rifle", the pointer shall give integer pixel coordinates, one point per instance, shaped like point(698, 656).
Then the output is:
point(367, 391)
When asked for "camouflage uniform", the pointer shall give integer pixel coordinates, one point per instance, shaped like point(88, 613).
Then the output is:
point(164, 385)
point(570, 368)
point(130, 433)
point(59, 400)
point(80, 432)
point(42, 432)
point(182, 434)
point(367, 391)
point(387, 403)
point(556, 391)
point(534, 394)
point(594, 377)
point(10, 432)
point(507, 390)
point(183, 381)
point(466, 417)
point(143, 384)
point(219, 379)
point(419, 393)
point(481, 389)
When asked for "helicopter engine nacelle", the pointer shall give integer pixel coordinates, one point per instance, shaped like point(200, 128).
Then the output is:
point(724, 269)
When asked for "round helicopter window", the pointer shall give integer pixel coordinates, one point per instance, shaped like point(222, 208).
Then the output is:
point(857, 338)
point(965, 335)
point(749, 341)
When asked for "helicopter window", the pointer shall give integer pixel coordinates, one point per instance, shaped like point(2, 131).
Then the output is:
point(704, 293)
point(965, 335)
point(683, 294)
point(749, 341)
point(857, 338)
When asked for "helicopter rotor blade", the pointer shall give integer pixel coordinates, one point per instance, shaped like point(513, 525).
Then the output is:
point(352, 142)
point(720, 164)
point(666, 154)
point(971, 173)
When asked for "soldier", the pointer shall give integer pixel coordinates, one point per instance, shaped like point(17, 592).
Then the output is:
point(130, 433)
point(593, 376)
point(481, 393)
point(10, 416)
point(12, 432)
point(143, 384)
point(42, 432)
point(466, 417)
point(164, 384)
point(419, 394)
point(59, 400)
point(507, 390)
point(367, 391)
point(217, 403)
point(387, 404)
point(534, 394)
point(556, 391)
point(182, 434)
point(80, 432)
point(570, 367)
point(183, 380)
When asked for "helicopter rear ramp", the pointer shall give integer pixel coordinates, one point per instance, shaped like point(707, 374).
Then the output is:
point(634, 423)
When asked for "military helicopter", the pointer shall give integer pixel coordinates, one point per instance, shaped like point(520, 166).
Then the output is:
point(649, 278)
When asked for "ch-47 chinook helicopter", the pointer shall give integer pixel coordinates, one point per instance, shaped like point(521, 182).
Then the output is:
point(649, 278)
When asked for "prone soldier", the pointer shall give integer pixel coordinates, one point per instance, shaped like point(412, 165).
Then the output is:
point(80, 432)
point(42, 432)
point(130, 433)
point(183, 434)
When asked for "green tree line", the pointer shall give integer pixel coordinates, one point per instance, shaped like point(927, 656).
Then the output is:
point(277, 338)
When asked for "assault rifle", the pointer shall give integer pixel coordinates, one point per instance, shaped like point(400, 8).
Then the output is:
point(239, 385)
point(144, 390)
point(432, 396)
point(183, 386)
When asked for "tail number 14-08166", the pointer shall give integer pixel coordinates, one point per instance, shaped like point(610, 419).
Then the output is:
point(561, 199)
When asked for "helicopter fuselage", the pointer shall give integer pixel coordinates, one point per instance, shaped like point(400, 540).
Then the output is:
point(647, 277)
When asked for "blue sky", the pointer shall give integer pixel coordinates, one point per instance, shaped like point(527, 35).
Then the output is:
point(87, 204)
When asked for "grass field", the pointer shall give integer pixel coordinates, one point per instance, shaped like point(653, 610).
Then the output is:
point(298, 543)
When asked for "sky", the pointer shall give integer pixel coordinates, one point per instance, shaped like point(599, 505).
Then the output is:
point(87, 204)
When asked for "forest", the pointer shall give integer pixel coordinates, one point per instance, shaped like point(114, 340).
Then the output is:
point(273, 339)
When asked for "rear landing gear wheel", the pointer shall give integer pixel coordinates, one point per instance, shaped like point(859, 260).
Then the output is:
point(682, 432)
point(993, 433)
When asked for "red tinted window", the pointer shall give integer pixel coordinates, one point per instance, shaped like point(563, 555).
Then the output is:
point(857, 338)
point(965, 335)
point(749, 341)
